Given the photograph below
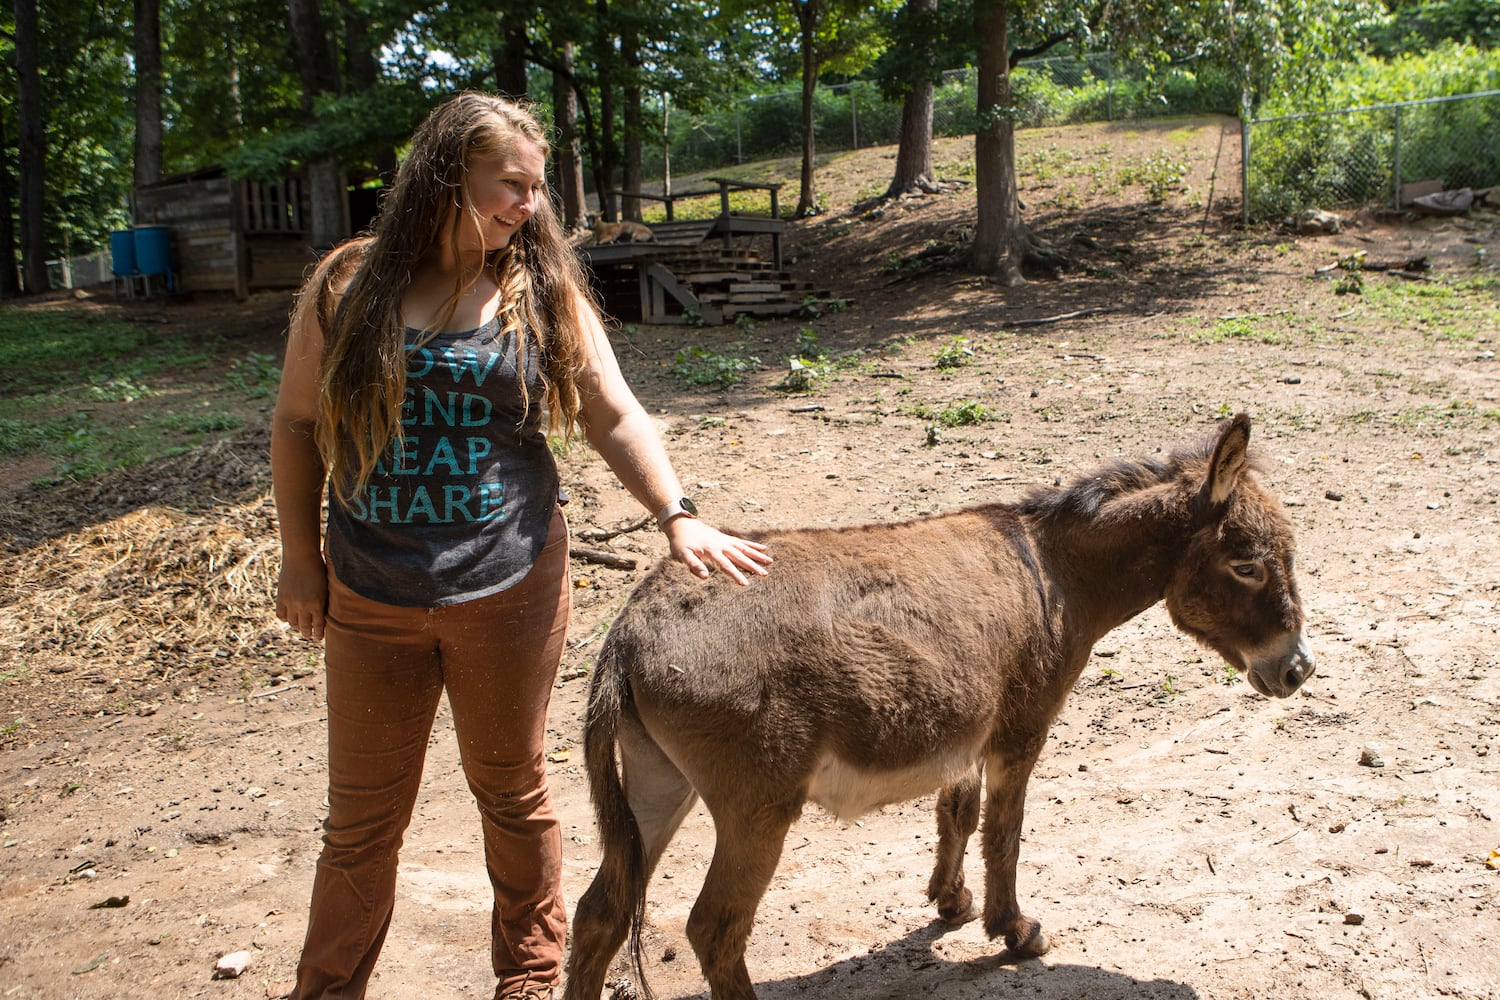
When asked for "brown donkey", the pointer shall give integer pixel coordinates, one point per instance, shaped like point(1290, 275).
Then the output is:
point(878, 663)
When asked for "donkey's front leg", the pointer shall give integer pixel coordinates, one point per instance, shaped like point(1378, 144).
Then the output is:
point(957, 819)
point(1006, 774)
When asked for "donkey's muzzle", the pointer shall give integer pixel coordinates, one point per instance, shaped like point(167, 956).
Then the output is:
point(1284, 670)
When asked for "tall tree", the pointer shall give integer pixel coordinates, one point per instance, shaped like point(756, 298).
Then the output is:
point(634, 130)
point(33, 138)
point(361, 54)
point(569, 158)
point(148, 71)
point(915, 35)
point(809, 13)
point(999, 237)
point(606, 145)
point(10, 282)
point(510, 55)
point(319, 75)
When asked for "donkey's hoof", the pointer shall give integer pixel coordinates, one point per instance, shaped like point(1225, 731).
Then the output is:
point(959, 911)
point(1033, 945)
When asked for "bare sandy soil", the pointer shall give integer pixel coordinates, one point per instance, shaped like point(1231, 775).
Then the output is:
point(162, 763)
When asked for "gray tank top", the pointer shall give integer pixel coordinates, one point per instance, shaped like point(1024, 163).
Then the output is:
point(461, 507)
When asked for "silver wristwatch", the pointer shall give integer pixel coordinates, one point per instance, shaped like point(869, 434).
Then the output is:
point(679, 507)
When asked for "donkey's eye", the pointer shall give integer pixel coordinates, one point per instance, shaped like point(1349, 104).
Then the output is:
point(1246, 570)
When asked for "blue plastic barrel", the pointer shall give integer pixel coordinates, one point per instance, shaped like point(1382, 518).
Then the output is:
point(122, 253)
point(153, 250)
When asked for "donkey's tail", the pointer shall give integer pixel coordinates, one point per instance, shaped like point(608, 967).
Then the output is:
point(622, 873)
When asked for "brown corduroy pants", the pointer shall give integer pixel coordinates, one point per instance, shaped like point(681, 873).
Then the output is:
point(497, 657)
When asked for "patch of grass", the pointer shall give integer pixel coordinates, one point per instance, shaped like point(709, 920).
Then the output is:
point(1458, 311)
point(964, 414)
point(40, 351)
point(256, 375)
point(1254, 328)
point(954, 354)
point(701, 366)
point(115, 413)
point(814, 306)
point(1159, 174)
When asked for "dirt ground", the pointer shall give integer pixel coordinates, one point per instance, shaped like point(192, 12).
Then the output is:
point(162, 758)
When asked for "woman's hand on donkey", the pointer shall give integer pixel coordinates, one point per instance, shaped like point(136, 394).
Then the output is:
point(702, 548)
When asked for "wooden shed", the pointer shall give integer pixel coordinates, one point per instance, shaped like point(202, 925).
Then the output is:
point(231, 235)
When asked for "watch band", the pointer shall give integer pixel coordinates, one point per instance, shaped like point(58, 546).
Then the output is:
point(681, 507)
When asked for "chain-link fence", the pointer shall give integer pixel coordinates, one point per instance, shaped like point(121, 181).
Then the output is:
point(1051, 91)
point(1363, 156)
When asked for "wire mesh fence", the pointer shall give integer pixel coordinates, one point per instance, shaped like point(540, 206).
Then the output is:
point(1363, 156)
point(1087, 87)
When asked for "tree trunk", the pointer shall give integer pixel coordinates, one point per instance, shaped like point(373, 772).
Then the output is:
point(232, 78)
point(608, 148)
point(630, 208)
point(364, 75)
point(999, 237)
point(33, 138)
point(10, 281)
point(147, 92)
point(914, 152)
point(319, 76)
point(569, 159)
point(510, 56)
point(807, 22)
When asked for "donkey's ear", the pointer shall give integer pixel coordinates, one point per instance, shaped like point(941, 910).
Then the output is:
point(1230, 459)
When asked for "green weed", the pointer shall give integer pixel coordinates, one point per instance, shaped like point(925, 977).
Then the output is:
point(954, 354)
point(964, 414)
point(256, 375)
point(1159, 174)
point(1254, 328)
point(700, 366)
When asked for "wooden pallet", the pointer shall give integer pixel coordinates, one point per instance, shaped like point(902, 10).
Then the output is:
point(691, 272)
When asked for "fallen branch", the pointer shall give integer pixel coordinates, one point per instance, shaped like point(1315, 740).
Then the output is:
point(275, 690)
point(1264, 315)
point(1044, 320)
point(605, 534)
point(602, 557)
point(1409, 265)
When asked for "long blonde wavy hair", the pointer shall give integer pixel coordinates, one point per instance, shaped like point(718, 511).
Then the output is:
point(362, 376)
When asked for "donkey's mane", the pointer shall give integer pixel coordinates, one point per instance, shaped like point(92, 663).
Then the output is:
point(1086, 495)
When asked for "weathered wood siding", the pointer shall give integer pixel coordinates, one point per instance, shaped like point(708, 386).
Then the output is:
point(230, 235)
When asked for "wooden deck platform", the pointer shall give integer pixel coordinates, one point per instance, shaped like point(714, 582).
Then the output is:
point(700, 270)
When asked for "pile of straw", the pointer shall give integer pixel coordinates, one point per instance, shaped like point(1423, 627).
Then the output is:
point(145, 576)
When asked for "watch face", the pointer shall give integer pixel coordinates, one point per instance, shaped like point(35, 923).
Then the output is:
point(689, 506)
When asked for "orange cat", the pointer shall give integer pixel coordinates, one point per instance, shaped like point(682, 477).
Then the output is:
point(625, 231)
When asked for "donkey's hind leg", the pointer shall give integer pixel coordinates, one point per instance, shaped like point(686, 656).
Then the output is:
point(957, 819)
point(659, 797)
point(748, 842)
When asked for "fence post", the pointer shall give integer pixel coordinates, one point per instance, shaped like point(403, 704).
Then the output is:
point(1396, 169)
point(1109, 86)
point(854, 113)
point(1245, 166)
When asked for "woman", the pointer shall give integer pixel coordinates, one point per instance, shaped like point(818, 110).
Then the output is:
point(421, 361)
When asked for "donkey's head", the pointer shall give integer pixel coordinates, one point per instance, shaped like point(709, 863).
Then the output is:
point(1234, 589)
